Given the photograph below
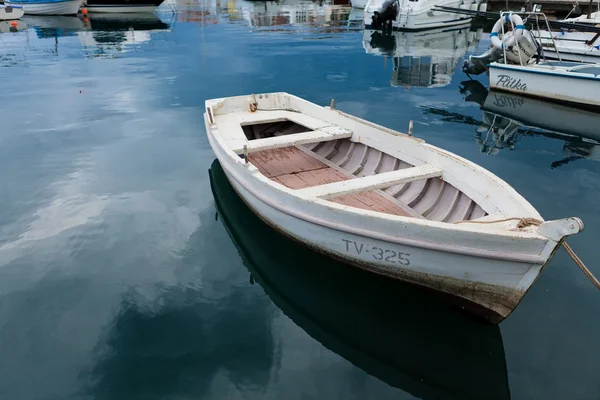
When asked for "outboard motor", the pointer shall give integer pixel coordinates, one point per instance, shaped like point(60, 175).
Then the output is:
point(387, 13)
point(478, 64)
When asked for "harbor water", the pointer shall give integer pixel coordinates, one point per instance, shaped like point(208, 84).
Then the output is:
point(130, 269)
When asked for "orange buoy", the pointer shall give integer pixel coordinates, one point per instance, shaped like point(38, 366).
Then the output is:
point(14, 24)
point(84, 11)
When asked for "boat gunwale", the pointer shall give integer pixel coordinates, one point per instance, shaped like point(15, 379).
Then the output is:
point(480, 229)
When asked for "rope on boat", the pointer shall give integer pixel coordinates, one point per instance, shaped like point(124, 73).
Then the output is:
point(525, 222)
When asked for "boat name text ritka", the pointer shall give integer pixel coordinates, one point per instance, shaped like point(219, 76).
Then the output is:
point(511, 83)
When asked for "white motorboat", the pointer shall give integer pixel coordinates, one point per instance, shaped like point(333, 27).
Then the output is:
point(423, 59)
point(417, 14)
point(382, 200)
point(570, 45)
point(514, 64)
point(9, 12)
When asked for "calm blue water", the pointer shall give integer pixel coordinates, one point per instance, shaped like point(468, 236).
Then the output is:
point(127, 271)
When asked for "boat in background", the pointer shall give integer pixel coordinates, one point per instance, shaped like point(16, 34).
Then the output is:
point(514, 65)
point(593, 18)
point(10, 12)
point(382, 200)
point(570, 45)
point(417, 14)
point(46, 7)
point(392, 331)
point(122, 6)
point(423, 59)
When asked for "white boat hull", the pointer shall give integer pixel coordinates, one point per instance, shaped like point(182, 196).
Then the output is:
point(556, 85)
point(69, 7)
point(419, 17)
point(120, 9)
point(492, 285)
point(11, 13)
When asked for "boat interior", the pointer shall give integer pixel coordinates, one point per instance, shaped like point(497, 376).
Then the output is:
point(323, 160)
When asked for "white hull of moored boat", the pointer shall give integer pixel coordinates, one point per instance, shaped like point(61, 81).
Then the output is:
point(69, 7)
point(8, 13)
point(491, 284)
point(420, 15)
point(488, 266)
point(557, 81)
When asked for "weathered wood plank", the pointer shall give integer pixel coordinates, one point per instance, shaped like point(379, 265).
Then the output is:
point(277, 162)
point(372, 182)
point(304, 171)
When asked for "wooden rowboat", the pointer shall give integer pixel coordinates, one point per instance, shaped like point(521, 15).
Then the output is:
point(382, 200)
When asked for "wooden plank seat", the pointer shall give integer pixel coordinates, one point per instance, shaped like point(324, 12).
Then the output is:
point(372, 182)
point(295, 169)
point(323, 134)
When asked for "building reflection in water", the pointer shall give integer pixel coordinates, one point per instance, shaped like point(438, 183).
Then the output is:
point(262, 14)
point(422, 59)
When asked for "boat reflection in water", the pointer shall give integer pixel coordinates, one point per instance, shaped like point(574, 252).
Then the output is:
point(396, 332)
point(423, 59)
point(102, 35)
point(12, 26)
point(107, 34)
point(508, 117)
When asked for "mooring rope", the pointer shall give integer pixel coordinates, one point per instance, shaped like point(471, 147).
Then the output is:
point(581, 265)
point(525, 222)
